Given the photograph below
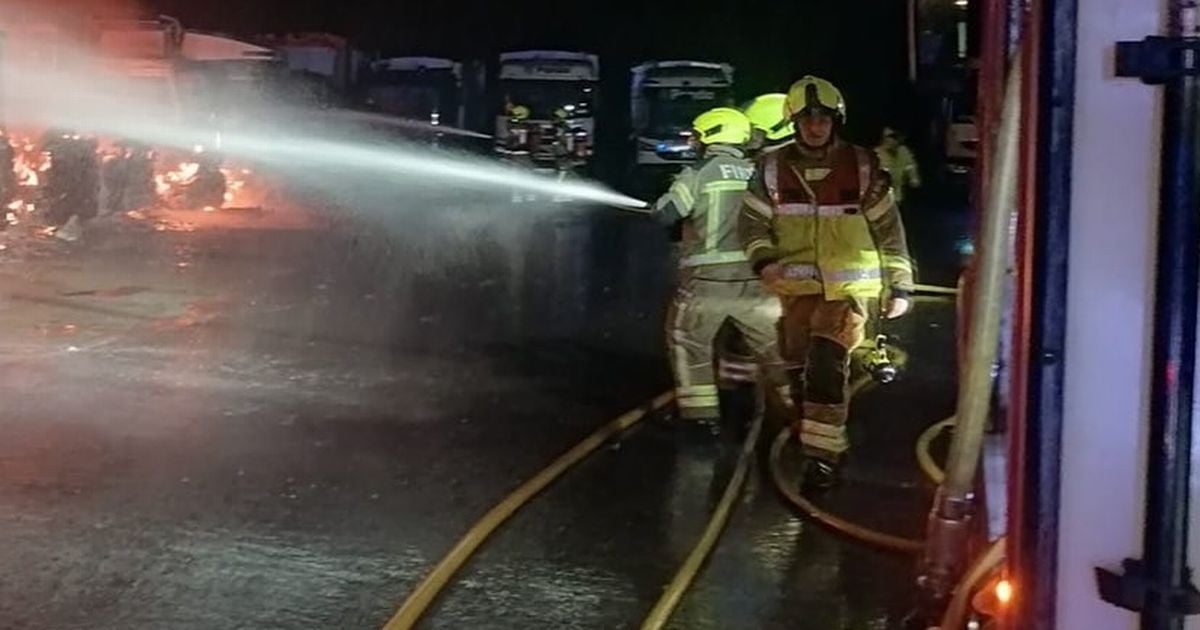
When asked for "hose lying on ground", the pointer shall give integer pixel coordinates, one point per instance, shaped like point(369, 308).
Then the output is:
point(434, 583)
point(847, 528)
point(669, 601)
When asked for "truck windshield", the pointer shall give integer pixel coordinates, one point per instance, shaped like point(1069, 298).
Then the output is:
point(671, 110)
point(543, 97)
point(412, 95)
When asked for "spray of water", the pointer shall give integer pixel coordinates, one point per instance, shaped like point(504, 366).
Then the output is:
point(349, 115)
point(90, 98)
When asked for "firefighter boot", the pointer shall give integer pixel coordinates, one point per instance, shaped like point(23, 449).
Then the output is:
point(738, 404)
point(820, 475)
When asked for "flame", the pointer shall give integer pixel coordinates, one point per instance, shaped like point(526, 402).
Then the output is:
point(29, 162)
point(170, 181)
point(239, 191)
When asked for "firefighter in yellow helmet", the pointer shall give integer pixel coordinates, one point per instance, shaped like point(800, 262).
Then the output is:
point(822, 230)
point(897, 159)
point(720, 308)
point(771, 128)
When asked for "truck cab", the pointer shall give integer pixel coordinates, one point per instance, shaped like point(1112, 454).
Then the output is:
point(547, 108)
point(424, 89)
point(665, 97)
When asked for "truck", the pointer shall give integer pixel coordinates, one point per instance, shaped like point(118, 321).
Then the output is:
point(548, 102)
point(424, 89)
point(665, 97)
point(329, 63)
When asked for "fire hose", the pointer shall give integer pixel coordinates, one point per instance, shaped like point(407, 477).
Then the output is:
point(669, 601)
point(949, 519)
point(428, 590)
point(811, 510)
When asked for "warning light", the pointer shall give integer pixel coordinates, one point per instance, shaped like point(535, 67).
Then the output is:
point(994, 598)
point(1004, 591)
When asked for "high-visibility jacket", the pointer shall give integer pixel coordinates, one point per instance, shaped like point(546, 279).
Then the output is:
point(902, 166)
point(707, 197)
point(829, 218)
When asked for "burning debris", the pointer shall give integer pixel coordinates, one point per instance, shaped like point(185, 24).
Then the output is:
point(128, 178)
point(47, 182)
point(198, 182)
point(23, 178)
point(72, 181)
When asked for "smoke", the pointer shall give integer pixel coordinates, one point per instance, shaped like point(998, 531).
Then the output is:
point(72, 16)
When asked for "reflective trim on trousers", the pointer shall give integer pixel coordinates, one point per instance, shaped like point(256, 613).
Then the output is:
point(697, 402)
point(698, 396)
point(696, 390)
point(825, 437)
point(737, 372)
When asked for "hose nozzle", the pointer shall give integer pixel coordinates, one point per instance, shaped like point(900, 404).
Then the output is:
point(879, 362)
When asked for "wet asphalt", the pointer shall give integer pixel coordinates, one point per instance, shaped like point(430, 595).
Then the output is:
point(283, 419)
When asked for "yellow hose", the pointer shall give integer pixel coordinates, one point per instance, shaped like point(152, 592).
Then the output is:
point(870, 536)
point(669, 601)
point(433, 584)
point(436, 581)
point(847, 528)
point(925, 458)
point(929, 288)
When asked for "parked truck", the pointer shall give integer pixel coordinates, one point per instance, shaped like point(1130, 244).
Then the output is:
point(547, 113)
point(665, 97)
point(423, 89)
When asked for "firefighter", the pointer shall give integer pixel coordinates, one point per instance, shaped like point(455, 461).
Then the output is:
point(822, 230)
point(897, 159)
point(770, 127)
point(720, 308)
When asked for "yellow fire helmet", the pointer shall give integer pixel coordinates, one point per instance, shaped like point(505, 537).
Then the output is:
point(767, 113)
point(723, 125)
point(519, 112)
point(811, 93)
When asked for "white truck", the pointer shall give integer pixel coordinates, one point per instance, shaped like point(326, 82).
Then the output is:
point(548, 100)
point(665, 97)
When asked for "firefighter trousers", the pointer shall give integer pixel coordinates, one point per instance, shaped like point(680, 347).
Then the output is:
point(722, 334)
point(816, 338)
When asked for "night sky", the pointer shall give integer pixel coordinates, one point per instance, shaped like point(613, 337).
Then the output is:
point(860, 44)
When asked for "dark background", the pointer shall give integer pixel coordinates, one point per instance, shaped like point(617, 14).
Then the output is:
point(858, 44)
